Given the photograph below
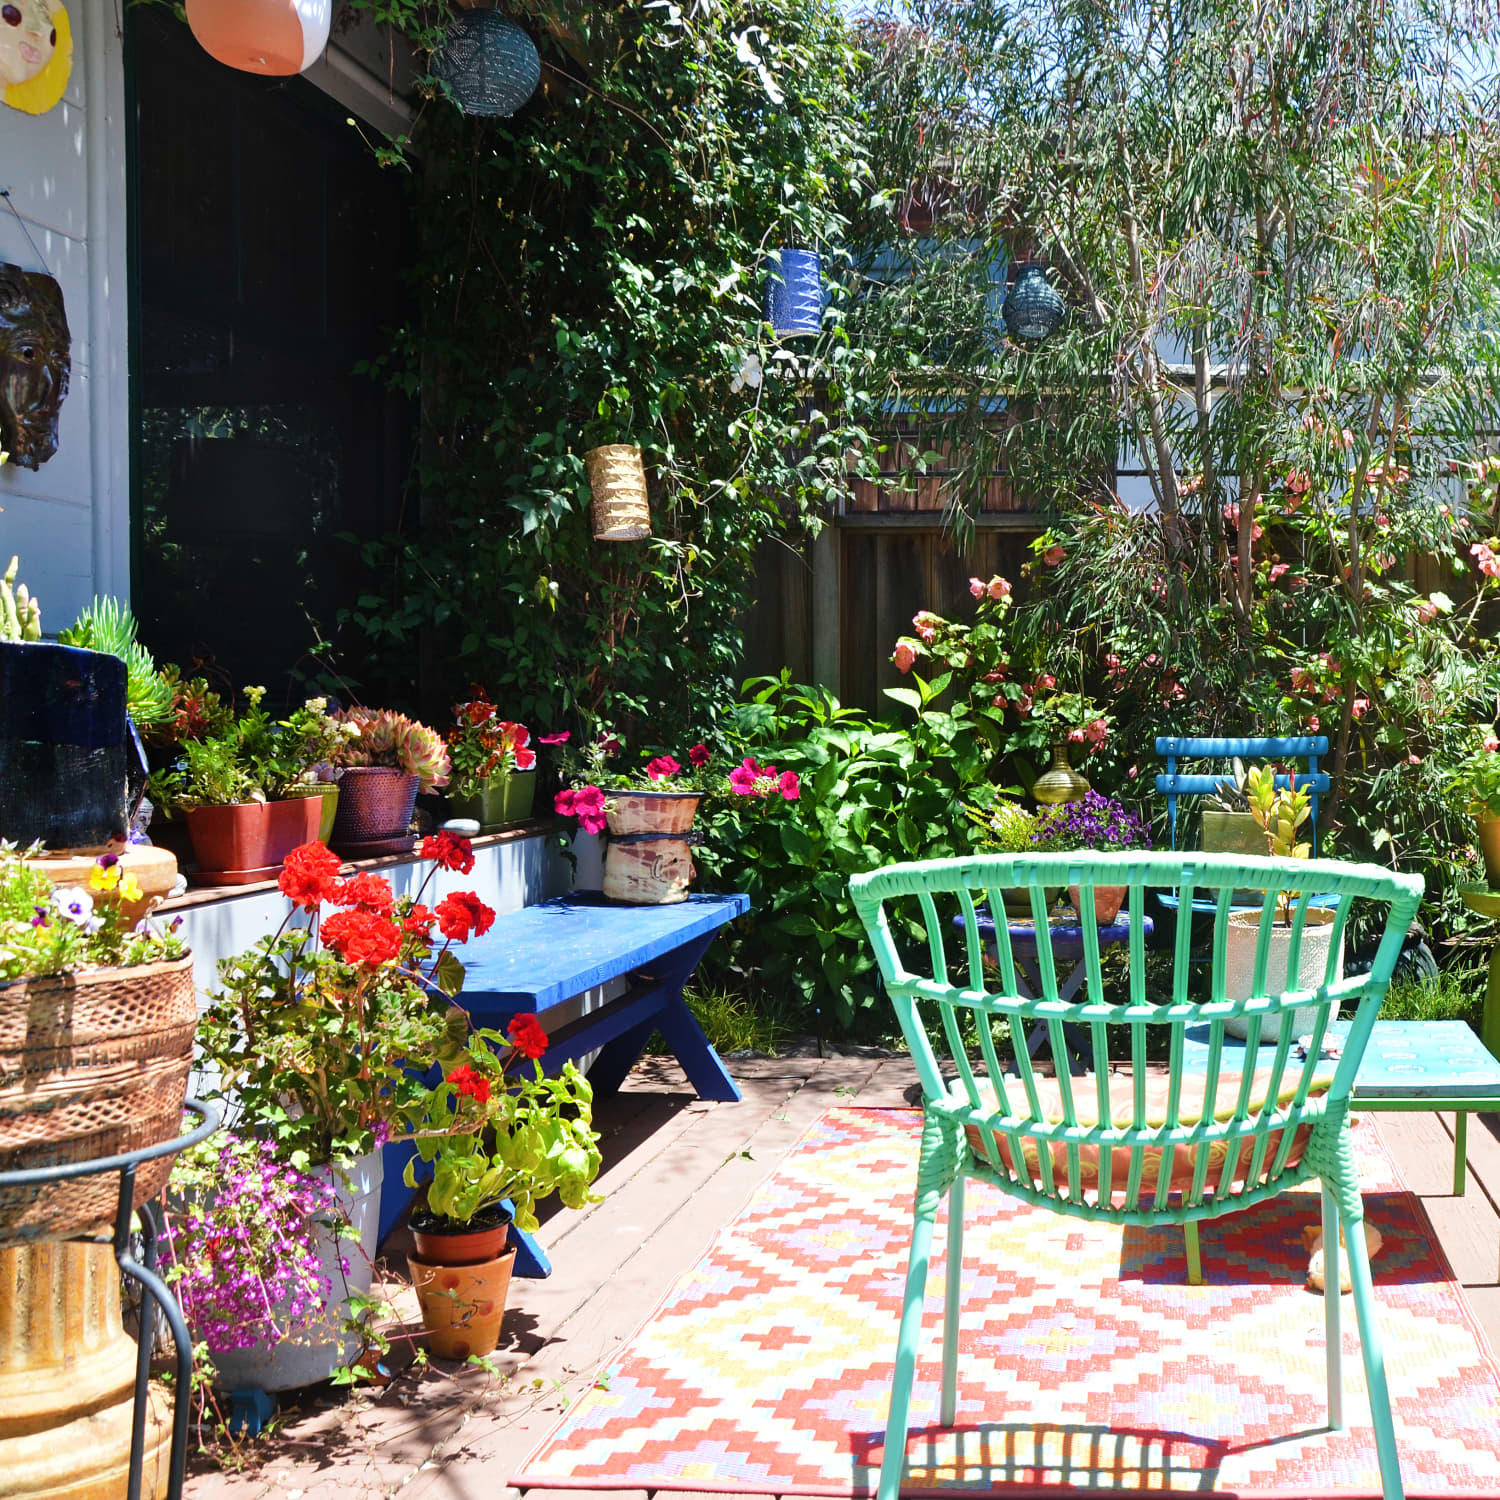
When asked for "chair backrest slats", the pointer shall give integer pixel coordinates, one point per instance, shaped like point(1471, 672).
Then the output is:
point(1055, 1138)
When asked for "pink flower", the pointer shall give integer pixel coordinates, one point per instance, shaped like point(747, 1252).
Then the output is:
point(1114, 666)
point(1096, 732)
point(976, 587)
point(1297, 482)
point(1314, 723)
point(1416, 760)
point(905, 655)
point(1133, 772)
point(525, 759)
point(1046, 681)
point(1302, 679)
point(1426, 612)
point(586, 803)
point(609, 744)
point(925, 623)
point(1023, 704)
point(1075, 736)
point(699, 754)
point(560, 738)
point(662, 767)
point(998, 588)
point(1489, 564)
point(1491, 743)
point(1277, 569)
point(746, 777)
point(789, 786)
point(1360, 705)
point(1054, 554)
point(1445, 510)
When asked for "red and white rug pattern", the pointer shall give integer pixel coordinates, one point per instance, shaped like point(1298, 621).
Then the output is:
point(1086, 1361)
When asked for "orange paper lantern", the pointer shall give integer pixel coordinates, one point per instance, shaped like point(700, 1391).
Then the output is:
point(262, 36)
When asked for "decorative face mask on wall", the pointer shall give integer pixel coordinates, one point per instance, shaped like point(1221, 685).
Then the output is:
point(34, 364)
point(28, 38)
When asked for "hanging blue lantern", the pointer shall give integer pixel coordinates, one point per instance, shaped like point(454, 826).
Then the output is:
point(1034, 307)
point(794, 293)
point(489, 62)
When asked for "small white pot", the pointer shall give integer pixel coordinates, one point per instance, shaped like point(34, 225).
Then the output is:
point(314, 1355)
point(1312, 962)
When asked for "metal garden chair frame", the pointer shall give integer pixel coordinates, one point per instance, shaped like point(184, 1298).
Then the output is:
point(984, 1124)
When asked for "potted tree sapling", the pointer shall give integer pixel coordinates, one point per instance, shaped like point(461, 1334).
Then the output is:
point(1281, 814)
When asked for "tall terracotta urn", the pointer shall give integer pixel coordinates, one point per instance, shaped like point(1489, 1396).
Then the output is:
point(67, 1379)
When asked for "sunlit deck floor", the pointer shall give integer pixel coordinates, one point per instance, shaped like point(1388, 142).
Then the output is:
point(676, 1169)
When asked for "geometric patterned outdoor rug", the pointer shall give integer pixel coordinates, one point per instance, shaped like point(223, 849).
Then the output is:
point(1086, 1361)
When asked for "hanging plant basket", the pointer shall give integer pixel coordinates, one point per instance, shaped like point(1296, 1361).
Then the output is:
point(1034, 308)
point(617, 477)
point(490, 64)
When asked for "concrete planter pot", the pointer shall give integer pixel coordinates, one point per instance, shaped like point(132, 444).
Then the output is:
point(1239, 964)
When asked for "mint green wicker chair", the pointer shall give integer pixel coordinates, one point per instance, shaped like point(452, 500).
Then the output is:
point(1093, 1147)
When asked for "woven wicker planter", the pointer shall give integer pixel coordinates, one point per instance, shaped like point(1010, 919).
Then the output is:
point(618, 479)
point(91, 1064)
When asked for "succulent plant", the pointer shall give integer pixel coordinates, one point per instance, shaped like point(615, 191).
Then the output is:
point(390, 739)
point(20, 614)
point(1229, 794)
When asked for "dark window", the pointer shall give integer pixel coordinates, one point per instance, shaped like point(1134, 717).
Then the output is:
point(268, 251)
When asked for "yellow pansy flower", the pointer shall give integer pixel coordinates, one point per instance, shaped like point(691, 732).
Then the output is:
point(104, 879)
point(130, 889)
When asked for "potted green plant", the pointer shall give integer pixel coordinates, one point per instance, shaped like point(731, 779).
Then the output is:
point(496, 1129)
point(318, 1037)
point(1091, 823)
point(1281, 814)
point(494, 766)
point(385, 762)
point(1005, 827)
point(1229, 826)
point(245, 790)
point(97, 1017)
point(1474, 783)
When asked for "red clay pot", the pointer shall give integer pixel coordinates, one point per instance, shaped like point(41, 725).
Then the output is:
point(249, 840)
point(441, 1243)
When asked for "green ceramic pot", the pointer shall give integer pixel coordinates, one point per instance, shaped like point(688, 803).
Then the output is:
point(500, 800)
point(329, 792)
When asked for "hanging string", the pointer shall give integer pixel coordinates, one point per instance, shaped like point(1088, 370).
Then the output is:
point(5, 193)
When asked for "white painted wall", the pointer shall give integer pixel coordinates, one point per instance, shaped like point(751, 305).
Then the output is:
point(65, 172)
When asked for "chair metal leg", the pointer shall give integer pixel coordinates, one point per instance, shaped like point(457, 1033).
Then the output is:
point(954, 1288)
point(1369, 1340)
point(1332, 1335)
point(937, 1171)
point(1194, 1253)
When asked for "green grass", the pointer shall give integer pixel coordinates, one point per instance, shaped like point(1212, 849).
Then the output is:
point(1457, 994)
point(735, 1021)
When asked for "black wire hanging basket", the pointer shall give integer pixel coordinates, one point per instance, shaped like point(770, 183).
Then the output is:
point(489, 62)
point(1033, 308)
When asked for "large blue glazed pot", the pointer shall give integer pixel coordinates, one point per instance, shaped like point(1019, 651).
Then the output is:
point(71, 767)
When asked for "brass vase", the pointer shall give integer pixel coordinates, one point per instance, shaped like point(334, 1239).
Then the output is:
point(1489, 848)
point(1060, 782)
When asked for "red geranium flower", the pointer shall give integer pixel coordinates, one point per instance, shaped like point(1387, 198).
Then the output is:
point(308, 873)
point(366, 892)
point(362, 938)
point(418, 921)
point(470, 1084)
point(526, 1036)
point(451, 850)
point(462, 913)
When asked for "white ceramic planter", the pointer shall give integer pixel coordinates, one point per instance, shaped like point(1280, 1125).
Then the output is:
point(315, 1355)
point(1312, 963)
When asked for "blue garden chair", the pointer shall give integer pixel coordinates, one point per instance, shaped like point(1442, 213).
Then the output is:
point(1119, 1147)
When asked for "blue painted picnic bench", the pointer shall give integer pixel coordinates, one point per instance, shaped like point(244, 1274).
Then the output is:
point(543, 956)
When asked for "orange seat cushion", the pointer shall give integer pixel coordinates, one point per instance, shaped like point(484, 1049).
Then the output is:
point(990, 1143)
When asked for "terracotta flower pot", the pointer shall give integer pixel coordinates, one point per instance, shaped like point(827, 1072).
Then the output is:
point(248, 840)
point(1108, 899)
point(462, 1306)
point(328, 793)
point(500, 800)
point(442, 1243)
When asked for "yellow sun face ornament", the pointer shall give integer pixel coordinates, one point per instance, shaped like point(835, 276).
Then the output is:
point(36, 53)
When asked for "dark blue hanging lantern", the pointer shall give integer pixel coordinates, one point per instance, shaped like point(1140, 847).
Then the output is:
point(1034, 308)
point(794, 293)
point(489, 62)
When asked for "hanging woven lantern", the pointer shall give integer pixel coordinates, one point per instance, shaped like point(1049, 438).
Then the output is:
point(489, 62)
point(1034, 308)
point(794, 293)
point(275, 37)
point(618, 479)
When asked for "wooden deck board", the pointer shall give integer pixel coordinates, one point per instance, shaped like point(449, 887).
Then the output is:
point(677, 1170)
